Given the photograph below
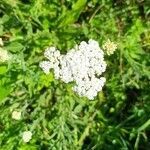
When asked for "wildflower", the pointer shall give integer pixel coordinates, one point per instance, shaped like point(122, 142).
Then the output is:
point(27, 135)
point(83, 64)
point(16, 115)
point(4, 56)
point(1, 42)
point(110, 47)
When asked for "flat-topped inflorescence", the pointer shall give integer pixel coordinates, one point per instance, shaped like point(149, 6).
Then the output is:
point(83, 64)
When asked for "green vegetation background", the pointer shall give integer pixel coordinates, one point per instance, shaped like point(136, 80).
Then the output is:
point(118, 118)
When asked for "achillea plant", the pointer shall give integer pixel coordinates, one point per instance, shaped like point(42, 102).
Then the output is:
point(83, 65)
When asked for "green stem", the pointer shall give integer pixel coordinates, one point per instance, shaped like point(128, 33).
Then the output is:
point(137, 142)
point(86, 131)
point(144, 126)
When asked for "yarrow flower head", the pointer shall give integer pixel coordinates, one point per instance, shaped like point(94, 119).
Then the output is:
point(4, 56)
point(27, 135)
point(83, 64)
point(16, 115)
point(109, 47)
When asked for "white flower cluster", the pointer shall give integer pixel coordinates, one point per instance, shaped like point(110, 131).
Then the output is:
point(83, 65)
point(1, 42)
point(4, 56)
point(27, 135)
point(109, 47)
point(16, 115)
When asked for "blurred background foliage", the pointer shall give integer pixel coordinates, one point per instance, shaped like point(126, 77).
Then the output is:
point(118, 118)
